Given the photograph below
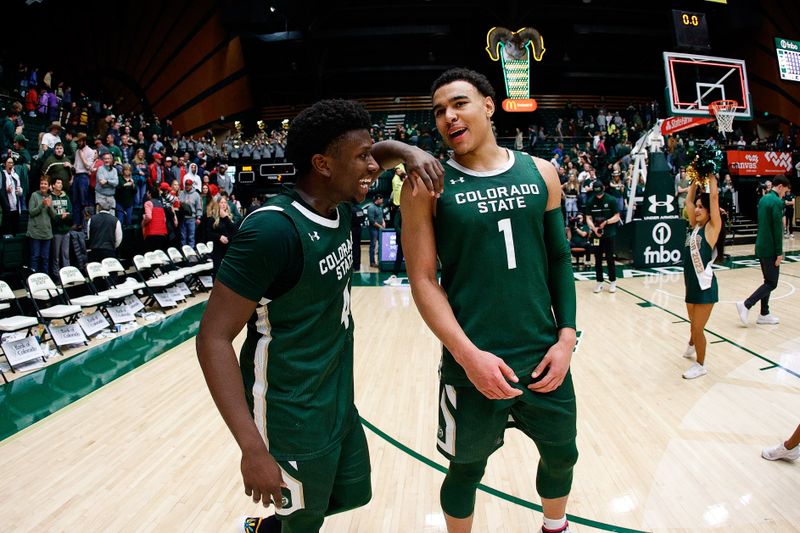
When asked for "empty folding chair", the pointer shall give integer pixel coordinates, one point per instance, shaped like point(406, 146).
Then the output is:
point(71, 278)
point(154, 285)
point(202, 269)
point(13, 322)
point(203, 251)
point(50, 303)
point(97, 275)
point(119, 277)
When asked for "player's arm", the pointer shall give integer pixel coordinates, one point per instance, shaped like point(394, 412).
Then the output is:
point(225, 316)
point(486, 371)
point(561, 284)
point(420, 165)
point(776, 212)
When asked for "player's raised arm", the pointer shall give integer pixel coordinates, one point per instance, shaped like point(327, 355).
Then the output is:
point(486, 371)
point(420, 165)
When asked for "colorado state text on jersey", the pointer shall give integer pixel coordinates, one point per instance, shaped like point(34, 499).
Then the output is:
point(339, 261)
point(498, 198)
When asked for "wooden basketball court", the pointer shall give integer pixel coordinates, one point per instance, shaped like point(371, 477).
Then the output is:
point(149, 451)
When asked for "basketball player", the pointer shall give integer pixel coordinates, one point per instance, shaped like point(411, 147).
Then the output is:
point(287, 276)
point(498, 230)
point(703, 245)
point(769, 250)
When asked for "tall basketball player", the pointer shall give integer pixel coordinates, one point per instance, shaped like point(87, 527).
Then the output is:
point(287, 276)
point(505, 309)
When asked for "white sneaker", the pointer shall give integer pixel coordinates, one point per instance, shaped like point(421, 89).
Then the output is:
point(613, 287)
point(598, 287)
point(695, 371)
point(768, 319)
point(743, 311)
point(774, 453)
point(391, 280)
point(690, 351)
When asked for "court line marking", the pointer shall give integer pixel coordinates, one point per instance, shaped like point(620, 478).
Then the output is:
point(771, 299)
point(489, 490)
point(737, 345)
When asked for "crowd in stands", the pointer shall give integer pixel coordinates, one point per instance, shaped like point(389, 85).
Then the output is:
point(91, 162)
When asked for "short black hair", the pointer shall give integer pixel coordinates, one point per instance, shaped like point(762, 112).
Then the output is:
point(317, 127)
point(780, 179)
point(476, 79)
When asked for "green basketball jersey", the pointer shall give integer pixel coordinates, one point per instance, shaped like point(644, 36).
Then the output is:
point(489, 235)
point(297, 360)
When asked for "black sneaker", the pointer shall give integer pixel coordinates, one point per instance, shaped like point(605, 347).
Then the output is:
point(256, 524)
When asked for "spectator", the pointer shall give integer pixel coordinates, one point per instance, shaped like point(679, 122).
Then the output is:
point(50, 138)
point(107, 181)
point(124, 195)
point(220, 229)
point(104, 233)
point(191, 174)
point(40, 227)
point(155, 146)
point(57, 165)
point(85, 158)
point(154, 220)
point(61, 226)
point(31, 101)
point(157, 176)
point(140, 173)
point(8, 131)
point(224, 181)
point(192, 209)
point(10, 198)
point(376, 223)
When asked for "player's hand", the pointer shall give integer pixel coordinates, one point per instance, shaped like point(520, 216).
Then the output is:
point(778, 260)
point(262, 478)
point(491, 375)
point(422, 168)
point(556, 363)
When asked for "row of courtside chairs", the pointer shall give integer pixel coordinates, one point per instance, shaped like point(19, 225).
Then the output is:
point(81, 306)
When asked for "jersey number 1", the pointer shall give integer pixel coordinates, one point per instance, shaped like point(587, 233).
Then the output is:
point(504, 227)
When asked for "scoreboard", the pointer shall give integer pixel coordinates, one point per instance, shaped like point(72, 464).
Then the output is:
point(690, 30)
point(788, 58)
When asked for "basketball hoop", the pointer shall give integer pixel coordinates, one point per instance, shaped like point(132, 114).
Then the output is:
point(723, 111)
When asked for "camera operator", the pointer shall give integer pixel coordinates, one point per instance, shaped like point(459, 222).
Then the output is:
point(602, 217)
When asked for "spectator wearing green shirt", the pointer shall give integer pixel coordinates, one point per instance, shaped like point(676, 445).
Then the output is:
point(769, 250)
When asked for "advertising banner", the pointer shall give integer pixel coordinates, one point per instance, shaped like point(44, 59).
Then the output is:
point(747, 163)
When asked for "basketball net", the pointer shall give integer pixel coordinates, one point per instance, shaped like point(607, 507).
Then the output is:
point(723, 111)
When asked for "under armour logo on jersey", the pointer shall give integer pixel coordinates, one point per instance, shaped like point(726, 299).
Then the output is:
point(459, 180)
point(654, 203)
point(314, 236)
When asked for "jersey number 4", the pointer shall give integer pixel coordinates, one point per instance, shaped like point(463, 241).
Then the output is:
point(346, 307)
point(504, 227)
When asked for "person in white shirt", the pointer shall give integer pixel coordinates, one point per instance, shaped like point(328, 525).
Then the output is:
point(10, 198)
point(52, 137)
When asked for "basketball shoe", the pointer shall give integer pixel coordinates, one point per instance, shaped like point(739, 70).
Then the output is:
point(695, 371)
point(690, 351)
point(768, 319)
point(256, 524)
point(774, 453)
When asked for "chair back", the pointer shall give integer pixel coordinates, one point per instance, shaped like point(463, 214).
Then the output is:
point(175, 255)
point(112, 264)
point(40, 282)
point(140, 262)
point(202, 249)
point(96, 270)
point(71, 276)
point(152, 258)
point(6, 294)
point(188, 251)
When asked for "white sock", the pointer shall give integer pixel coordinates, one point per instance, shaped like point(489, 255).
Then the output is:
point(555, 525)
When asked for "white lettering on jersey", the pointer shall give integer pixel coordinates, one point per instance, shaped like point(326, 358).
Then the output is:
point(339, 261)
point(498, 198)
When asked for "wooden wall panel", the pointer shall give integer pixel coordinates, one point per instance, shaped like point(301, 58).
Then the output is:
point(221, 65)
point(203, 42)
point(233, 98)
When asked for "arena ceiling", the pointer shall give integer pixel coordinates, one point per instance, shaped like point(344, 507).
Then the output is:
point(302, 50)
